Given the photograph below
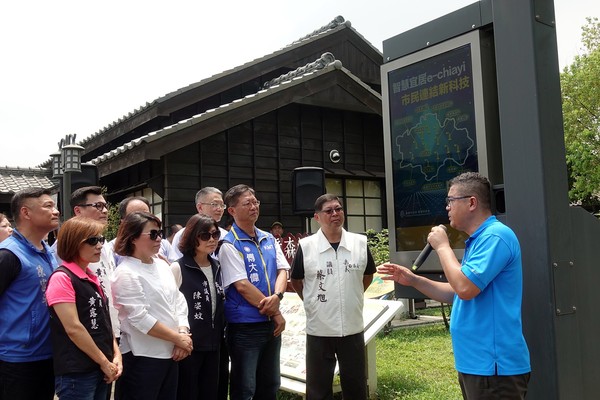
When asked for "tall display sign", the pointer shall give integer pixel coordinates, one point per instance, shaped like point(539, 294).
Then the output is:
point(511, 110)
point(434, 130)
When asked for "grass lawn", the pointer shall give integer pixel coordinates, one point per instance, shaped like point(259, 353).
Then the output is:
point(414, 363)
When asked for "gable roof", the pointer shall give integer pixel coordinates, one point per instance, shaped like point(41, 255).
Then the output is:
point(14, 179)
point(338, 29)
point(298, 88)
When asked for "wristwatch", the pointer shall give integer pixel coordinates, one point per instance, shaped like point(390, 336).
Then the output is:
point(279, 294)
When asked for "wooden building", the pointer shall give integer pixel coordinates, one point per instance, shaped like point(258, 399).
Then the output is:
point(15, 179)
point(254, 124)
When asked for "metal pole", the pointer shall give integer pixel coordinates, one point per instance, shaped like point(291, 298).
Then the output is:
point(66, 196)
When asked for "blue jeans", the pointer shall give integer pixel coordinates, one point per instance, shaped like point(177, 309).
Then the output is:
point(82, 386)
point(254, 353)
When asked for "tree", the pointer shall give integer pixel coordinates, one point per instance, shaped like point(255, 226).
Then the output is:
point(379, 244)
point(580, 86)
point(113, 222)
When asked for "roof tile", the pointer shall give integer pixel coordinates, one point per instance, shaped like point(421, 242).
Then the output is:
point(14, 179)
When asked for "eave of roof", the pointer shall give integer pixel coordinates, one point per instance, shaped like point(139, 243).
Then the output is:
point(337, 25)
point(142, 146)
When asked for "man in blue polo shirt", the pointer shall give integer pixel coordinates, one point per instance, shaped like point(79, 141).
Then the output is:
point(26, 263)
point(490, 352)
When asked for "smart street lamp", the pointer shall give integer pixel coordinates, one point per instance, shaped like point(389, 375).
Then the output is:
point(64, 162)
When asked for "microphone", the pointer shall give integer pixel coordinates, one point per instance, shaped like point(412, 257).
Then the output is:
point(424, 253)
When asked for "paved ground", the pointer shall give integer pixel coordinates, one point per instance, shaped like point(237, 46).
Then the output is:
point(420, 320)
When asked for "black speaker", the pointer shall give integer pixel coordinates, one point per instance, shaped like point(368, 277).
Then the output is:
point(87, 177)
point(498, 202)
point(308, 183)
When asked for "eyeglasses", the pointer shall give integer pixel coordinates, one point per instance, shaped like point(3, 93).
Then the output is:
point(247, 204)
point(205, 236)
point(216, 205)
point(94, 240)
point(154, 233)
point(449, 200)
point(97, 205)
point(330, 211)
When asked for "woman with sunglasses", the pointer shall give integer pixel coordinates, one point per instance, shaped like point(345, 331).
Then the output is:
point(198, 276)
point(86, 355)
point(152, 311)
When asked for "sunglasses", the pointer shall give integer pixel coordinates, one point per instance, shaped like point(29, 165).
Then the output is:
point(330, 211)
point(205, 236)
point(94, 240)
point(154, 233)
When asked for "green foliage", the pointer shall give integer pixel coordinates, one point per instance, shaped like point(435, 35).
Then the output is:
point(414, 363)
point(581, 113)
point(379, 244)
point(113, 222)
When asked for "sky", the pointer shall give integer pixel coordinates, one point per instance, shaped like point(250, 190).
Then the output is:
point(74, 67)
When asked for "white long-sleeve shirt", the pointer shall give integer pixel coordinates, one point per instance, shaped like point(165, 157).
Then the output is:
point(145, 294)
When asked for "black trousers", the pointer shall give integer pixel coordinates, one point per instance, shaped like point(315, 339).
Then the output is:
point(321, 353)
point(146, 378)
point(199, 376)
point(27, 380)
point(496, 387)
point(223, 371)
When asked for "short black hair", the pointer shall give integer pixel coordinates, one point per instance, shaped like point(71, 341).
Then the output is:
point(79, 196)
point(197, 224)
point(234, 193)
point(21, 196)
point(324, 199)
point(474, 184)
point(132, 228)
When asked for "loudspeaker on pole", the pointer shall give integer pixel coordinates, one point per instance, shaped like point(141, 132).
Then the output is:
point(308, 183)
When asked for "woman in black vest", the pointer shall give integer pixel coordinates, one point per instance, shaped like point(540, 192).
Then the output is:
point(86, 355)
point(198, 276)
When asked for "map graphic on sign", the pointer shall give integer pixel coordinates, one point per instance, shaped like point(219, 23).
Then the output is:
point(431, 145)
point(433, 139)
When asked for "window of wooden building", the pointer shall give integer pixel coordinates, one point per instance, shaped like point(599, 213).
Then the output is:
point(156, 202)
point(363, 203)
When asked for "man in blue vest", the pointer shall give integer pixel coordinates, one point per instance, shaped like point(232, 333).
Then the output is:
point(255, 277)
point(26, 263)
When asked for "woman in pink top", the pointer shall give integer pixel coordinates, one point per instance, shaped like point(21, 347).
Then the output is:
point(86, 355)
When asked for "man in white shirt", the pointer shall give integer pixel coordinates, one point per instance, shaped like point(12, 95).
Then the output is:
point(209, 201)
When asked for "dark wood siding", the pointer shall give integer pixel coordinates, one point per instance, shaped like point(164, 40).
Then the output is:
point(263, 153)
